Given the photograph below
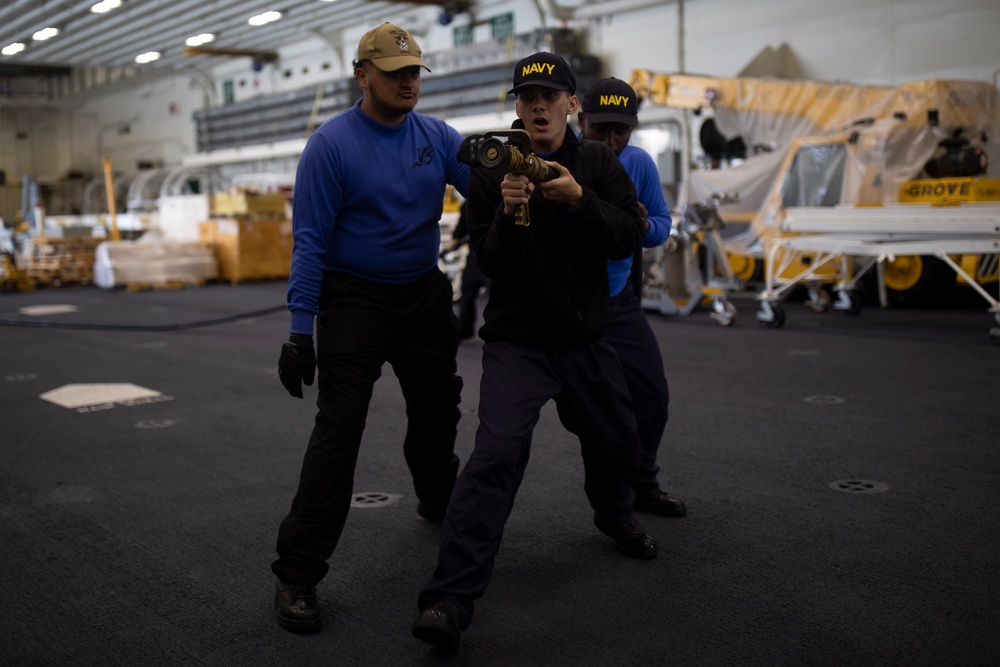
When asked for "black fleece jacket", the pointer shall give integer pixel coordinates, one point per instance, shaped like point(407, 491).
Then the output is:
point(550, 279)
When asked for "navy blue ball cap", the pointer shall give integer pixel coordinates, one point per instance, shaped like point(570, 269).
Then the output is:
point(543, 69)
point(610, 100)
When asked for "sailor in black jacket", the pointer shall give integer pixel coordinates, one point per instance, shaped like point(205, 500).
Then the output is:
point(548, 286)
point(543, 332)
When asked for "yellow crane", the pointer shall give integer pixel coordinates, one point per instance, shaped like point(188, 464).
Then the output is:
point(838, 144)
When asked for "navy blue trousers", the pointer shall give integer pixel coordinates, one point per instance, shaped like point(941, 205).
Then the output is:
point(639, 353)
point(472, 280)
point(517, 381)
point(361, 326)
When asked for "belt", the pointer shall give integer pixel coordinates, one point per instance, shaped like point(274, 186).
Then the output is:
point(343, 276)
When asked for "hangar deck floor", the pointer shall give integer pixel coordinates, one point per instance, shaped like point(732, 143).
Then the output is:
point(842, 476)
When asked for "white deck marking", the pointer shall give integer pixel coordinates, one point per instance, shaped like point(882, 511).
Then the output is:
point(79, 395)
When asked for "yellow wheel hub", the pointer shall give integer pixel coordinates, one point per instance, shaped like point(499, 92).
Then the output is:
point(743, 266)
point(903, 273)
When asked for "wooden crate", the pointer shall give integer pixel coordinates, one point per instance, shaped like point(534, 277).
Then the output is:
point(250, 249)
point(248, 204)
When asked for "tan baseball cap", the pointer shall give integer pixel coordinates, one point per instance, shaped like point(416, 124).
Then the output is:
point(390, 48)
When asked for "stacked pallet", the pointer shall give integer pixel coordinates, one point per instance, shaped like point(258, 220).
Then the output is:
point(57, 260)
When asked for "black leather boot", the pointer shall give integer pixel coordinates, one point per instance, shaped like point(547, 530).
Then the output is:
point(296, 607)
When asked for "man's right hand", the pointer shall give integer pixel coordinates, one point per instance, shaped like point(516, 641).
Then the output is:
point(516, 191)
point(297, 363)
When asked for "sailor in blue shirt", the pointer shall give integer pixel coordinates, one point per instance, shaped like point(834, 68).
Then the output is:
point(369, 192)
point(609, 114)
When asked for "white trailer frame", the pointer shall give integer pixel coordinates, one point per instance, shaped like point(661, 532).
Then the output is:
point(875, 234)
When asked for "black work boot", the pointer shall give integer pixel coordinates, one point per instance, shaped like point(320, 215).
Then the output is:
point(630, 538)
point(431, 513)
point(440, 624)
point(296, 607)
point(659, 502)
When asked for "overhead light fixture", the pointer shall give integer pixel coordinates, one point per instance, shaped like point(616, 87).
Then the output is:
point(147, 57)
point(198, 40)
point(106, 6)
point(450, 9)
point(12, 49)
point(44, 34)
point(265, 18)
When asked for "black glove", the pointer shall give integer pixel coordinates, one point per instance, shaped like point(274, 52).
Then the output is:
point(297, 363)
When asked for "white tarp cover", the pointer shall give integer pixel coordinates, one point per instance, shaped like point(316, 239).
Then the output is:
point(840, 143)
point(752, 179)
point(153, 262)
point(769, 113)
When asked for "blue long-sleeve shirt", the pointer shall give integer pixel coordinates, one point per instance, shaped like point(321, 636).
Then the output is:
point(642, 170)
point(368, 201)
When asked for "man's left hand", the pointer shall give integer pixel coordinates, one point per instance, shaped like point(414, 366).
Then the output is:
point(563, 188)
point(297, 363)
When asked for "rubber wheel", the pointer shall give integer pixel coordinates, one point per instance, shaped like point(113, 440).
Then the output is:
point(855, 303)
point(778, 319)
point(727, 317)
point(822, 302)
point(913, 279)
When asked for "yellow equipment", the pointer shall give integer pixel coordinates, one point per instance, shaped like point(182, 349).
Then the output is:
point(12, 276)
point(840, 145)
point(109, 190)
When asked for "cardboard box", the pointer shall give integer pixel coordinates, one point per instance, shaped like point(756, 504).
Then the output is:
point(248, 204)
point(250, 249)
